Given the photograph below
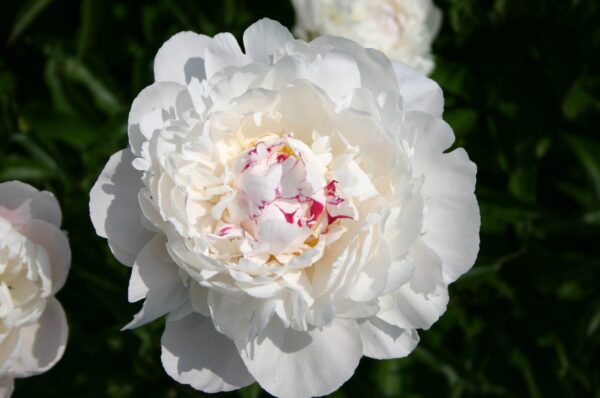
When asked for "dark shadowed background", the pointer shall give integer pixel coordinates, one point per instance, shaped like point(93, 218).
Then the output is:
point(522, 86)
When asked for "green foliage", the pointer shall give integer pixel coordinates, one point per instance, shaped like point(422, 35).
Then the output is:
point(522, 84)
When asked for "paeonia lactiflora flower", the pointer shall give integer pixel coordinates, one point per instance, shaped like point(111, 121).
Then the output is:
point(34, 262)
point(290, 208)
point(402, 29)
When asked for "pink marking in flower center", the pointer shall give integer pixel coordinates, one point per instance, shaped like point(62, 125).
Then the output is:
point(277, 183)
point(225, 230)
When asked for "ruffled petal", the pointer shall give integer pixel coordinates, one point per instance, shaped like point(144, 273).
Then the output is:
point(160, 95)
point(115, 209)
point(264, 38)
point(451, 222)
point(155, 276)
point(9, 350)
point(21, 202)
point(42, 344)
point(223, 51)
point(56, 244)
point(292, 364)
point(419, 303)
point(194, 353)
point(181, 57)
point(376, 70)
point(419, 93)
point(381, 340)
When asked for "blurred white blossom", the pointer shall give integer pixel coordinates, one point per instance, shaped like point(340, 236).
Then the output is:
point(402, 29)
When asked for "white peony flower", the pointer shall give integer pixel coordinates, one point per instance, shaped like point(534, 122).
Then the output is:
point(402, 29)
point(34, 262)
point(290, 208)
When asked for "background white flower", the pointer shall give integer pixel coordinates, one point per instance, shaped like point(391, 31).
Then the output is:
point(34, 262)
point(290, 208)
point(403, 29)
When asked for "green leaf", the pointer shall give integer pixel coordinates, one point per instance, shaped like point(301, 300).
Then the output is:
point(587, 152)
point(68, 129)
point(86, 27)
point(252, 391)
point(28, 13)
point(104, 98)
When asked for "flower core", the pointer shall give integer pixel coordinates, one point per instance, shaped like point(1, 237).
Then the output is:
point(284, 201)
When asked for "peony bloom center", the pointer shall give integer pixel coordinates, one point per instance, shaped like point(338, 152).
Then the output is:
point(284, 201)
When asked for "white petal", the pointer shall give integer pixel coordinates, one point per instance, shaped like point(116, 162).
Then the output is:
point(376, 71)
point(194, 353)
point(160, 95)
point(9, 350)
point(451, 222)
point(372, 279)
point(43, 343)
point(114, 206)
point(419, 93)
point(156, 277)
point(181, 57)
point(7, 386)
point(384, 341)
point(199, 298)
point(21, 202)
point(223, 51)
point(239, 316)
point(56, 244)
point(337, 73)
point(419, 303)
point(263, 38)
point(292, 364)
point(408, 309)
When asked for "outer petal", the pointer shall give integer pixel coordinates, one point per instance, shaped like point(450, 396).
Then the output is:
point(56, 244)
point(419, 303)
point(181, 57)
point(156, 277)
point(9, 350)
point(223, 51)
point(21, 202)
point(384, 341)
point(419, 93)
point(293, 364)
point(265, 37)
point(43, 343)
point(407, 309)
point(194, 353)
point(115, 210)
point(376, 71)
point(160, 95)
point(451, 223)
point(7, 385)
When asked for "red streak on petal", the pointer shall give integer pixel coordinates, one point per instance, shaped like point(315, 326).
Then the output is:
point(331, 191)
point(225, 230)
point(315, 211)
point(331, 219)
point(289, 217)
point(282, 157)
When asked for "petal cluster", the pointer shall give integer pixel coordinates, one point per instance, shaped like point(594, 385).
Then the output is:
point(34, 262)
point(290, 208)
point(402, 29)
